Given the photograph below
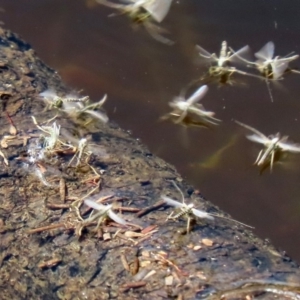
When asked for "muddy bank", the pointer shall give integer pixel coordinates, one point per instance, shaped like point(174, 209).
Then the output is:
point(53, 248)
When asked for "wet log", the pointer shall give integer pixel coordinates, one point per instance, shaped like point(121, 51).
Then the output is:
point(52, 247)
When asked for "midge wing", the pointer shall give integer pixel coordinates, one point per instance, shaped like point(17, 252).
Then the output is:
point(157, 8)
point(97, 206)
point(199, 94)
point(239, 55)
point(116, 218)
point(201, 214)
point(261, 135)
point(279, 65)
point(289, 147)
point(257, 139)
point(278, 68)
point(205, 54)
point(172, 202)
point(266, 52)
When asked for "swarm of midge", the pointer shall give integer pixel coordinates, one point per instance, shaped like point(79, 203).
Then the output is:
point(75, 106)
point(273, 144)
point(145, 13)
point(184, 108)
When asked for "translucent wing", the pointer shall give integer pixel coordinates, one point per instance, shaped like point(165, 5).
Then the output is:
point(239, 55)
point(199, 94)
point(158, 8)
point(257, 139)
point(261, 135)
point(279, 65)
point(116, 218)
point(171, 202)
point(98, 115)
point(203, 53)
point(278, 68)
point(289, 147)
point(49, 94)
point(201, 214)
point(105, 209)
point(266, 52)
point(97, 206)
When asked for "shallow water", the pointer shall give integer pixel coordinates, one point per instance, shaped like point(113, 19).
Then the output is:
point(104, 55)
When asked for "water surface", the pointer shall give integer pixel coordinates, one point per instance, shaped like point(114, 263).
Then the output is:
point(104, 55)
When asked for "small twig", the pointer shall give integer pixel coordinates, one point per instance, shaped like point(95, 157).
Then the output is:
point(48, 227)
point(62, 190)
point(132, 285)
point(129, 209)
point(149, 209)
point(57, 205)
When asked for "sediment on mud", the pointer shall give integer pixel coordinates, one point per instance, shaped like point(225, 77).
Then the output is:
point(49, 252)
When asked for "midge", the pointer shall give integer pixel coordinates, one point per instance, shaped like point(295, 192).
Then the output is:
point(273, 144)
point(144, 12)
point(269, 66)
point(103, 211)
point(221, 66)
point(188, 210)
point(182, 107)
point(53, 100)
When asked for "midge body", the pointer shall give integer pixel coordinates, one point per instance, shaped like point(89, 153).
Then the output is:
point(273, 144)
point(75, 106)
point(221, 66)
point(182, 107)
point(145, 12)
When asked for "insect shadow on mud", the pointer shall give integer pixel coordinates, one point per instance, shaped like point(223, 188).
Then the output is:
point(274, 146)
point(145, 13)
point(189, 211)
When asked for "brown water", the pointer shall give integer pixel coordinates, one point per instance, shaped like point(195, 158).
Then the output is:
point(104, 55)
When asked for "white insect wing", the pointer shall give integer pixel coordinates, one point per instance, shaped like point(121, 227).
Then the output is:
point(116, 218)
point(96, 205)
point(266, 53)
point(172, 202)
point(278, 68)
point(258, 139)
point(205, 54)
point(49, 94)
point(289, 147)
point(105, 209)
point(158, 8)
point(98, 115)
point(198, 95)
point(240, 54)
point(201, 214)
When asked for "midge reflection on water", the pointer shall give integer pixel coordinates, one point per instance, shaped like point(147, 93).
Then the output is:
point(146, 13)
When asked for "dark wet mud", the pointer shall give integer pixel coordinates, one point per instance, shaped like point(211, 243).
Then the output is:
point(52, 248)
